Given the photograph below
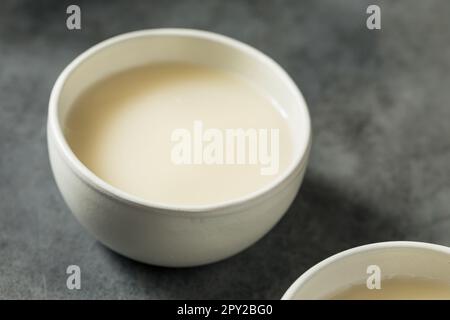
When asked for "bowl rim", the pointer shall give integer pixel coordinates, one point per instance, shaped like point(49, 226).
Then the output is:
point(307, 275)
point(87, 176)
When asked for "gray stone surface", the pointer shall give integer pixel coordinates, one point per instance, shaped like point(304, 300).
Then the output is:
point(379, 169)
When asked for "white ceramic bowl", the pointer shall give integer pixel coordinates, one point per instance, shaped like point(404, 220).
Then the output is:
point(161, 233)
point(395, 258)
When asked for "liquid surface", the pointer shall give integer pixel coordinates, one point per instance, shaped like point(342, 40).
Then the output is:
point(398, 289)
point(121, 129)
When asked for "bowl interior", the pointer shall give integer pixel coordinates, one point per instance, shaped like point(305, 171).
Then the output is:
point(187, 46)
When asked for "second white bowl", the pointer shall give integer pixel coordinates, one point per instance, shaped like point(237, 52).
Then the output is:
point(394, 258)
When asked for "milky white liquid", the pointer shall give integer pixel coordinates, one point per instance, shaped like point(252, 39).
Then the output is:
point(398, 289)
point(121, 130)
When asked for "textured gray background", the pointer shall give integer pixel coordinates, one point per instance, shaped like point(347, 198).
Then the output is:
point(379, 170)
